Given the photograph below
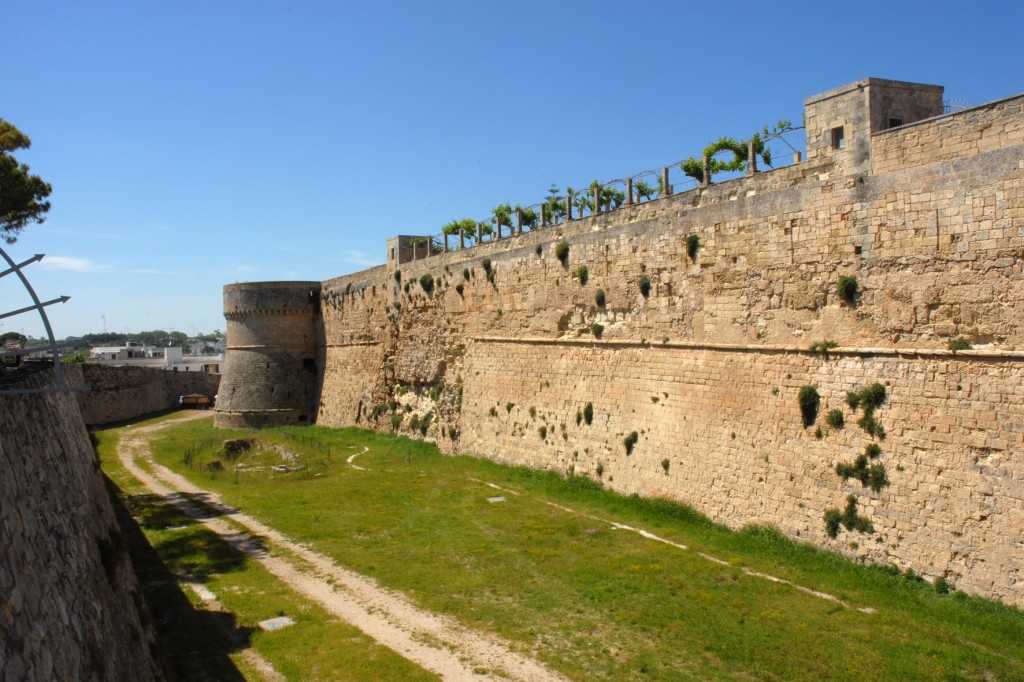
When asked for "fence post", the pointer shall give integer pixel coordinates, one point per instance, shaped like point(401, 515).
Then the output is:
point(797, 157)
point(664, 182)
point(519, 221)
point(462, 239)
point(445, 241)
point(707, 174)
point(751, 158)
point(597, 199)
point(568, 206)
point(629, 191)
point(497, 227)
point(479, 232)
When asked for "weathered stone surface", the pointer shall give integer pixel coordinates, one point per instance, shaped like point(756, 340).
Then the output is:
point(70, 604)
point(929, 218)
point(121, 393)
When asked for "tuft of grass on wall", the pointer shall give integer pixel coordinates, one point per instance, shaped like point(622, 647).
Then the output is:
point(644, 283)
point(809, 401)
point(562, 252)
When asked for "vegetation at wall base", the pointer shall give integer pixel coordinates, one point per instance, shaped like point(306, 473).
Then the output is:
point(420, 523)
point(168, 548)
point(599, 298)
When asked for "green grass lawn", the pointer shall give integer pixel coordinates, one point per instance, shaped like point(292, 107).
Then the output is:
point(167, 546)
point(589, 600)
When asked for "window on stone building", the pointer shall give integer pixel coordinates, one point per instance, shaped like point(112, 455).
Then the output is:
point(895, 122)
point(838, 138)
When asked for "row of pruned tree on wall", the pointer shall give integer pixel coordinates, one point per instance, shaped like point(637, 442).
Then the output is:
point(724, 155)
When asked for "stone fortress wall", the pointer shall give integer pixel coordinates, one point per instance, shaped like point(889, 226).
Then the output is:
point(121, 393)
point(70, 605)
point(929, 218)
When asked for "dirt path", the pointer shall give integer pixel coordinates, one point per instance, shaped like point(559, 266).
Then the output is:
point(457, 653)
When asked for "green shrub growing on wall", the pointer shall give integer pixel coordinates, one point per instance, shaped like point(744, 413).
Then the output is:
point(582, 274)
point(425, 423)
point(427, 282)
point(562, 252)
point(588, 413)
point(809, 401)
point(959, 343)
point(848, 518)
point(543, 431)
point(692, 244)
point(869, 399)
point(835, 419)
point(396, 420)
point(665, 464)
point(599, 298)
point(823, 347)
point(459, 289)
point(630, 442)
point(645, 285)
point(597, 330)
point(847, 288)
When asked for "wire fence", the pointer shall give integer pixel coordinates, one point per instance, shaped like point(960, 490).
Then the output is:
point(783, 149)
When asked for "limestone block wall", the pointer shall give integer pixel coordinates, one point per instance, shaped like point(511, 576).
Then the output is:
point(720, 428)
point(719, 344)
point(122, 393)
point(70, 604)
point(996, 125)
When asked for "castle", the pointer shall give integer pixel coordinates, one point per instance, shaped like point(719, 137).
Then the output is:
point(683, 377)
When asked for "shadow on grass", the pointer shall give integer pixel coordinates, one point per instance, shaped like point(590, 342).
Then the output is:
point(194, 643)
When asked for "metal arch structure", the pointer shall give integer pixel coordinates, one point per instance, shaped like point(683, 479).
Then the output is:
point(39, 306)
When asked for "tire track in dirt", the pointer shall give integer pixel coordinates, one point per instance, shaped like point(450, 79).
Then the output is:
point(386, 616)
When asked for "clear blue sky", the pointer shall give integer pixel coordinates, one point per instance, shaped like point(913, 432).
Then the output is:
point(192, 144)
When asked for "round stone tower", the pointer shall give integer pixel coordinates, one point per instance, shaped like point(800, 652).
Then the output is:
point(271, 373)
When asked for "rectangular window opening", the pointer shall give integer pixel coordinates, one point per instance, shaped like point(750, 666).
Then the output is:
point(857, 250)
point(895, 122)
point(838, 138)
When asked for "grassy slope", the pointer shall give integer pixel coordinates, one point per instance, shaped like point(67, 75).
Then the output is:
point(595, 602)
point(196, 640)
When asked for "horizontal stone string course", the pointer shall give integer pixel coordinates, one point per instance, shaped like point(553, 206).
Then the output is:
point(741, 348)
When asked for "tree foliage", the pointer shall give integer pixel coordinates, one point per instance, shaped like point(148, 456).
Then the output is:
point(22, 195)
point(694, 167)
